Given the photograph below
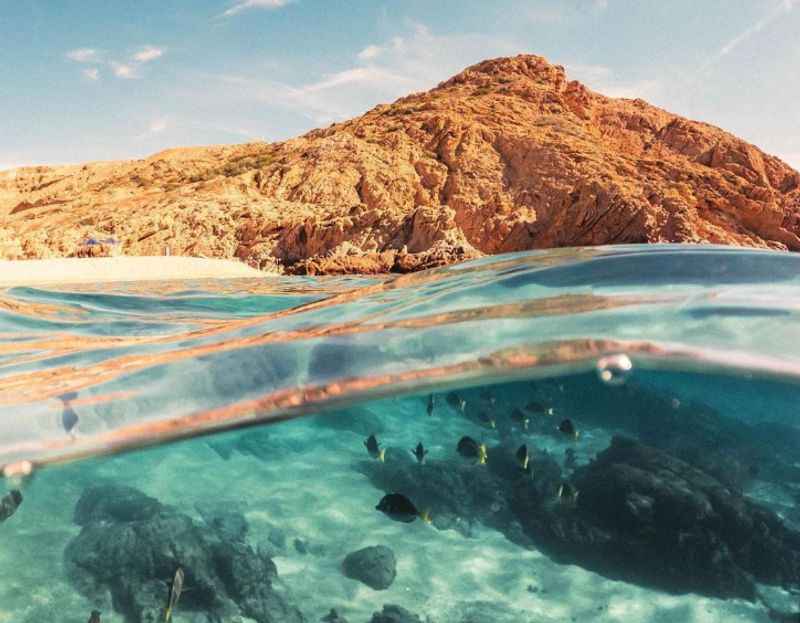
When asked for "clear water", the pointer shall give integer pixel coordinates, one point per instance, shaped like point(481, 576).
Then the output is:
point(242, 407)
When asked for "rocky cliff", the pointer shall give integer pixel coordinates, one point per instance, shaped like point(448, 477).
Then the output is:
point(507, 155)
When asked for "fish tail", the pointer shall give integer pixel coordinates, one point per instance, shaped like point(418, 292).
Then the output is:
point(168, 614)
point(382, 456)
point(426, 516)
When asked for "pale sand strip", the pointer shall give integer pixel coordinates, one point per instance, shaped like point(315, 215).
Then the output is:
point(110, 269)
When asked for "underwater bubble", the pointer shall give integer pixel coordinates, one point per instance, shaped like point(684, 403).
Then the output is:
point(614, 369)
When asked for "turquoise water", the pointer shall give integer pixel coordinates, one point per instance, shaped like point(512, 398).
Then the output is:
point(220, 428)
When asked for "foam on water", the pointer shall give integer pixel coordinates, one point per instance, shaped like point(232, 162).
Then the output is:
point(604, 336)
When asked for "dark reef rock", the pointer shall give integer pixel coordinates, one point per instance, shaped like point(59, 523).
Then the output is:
point(115, 504)
point(133, 556)
point(333, 617)
point(645, 516)
point(394, 614)
point(375, 566)
point(458, 493)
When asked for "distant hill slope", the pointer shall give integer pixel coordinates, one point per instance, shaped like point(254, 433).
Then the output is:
point(505, 156)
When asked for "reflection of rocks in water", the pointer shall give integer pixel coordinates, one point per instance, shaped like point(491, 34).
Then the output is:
point(647, 517)
point(131, 556)
point(375, 566)
point(394, 614)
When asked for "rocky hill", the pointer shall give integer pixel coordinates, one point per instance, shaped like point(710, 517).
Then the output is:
point(505, 156)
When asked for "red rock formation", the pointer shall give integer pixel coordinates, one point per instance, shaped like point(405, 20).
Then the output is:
point(507, 155)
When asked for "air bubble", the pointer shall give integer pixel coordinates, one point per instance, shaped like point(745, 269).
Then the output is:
point(614, 369)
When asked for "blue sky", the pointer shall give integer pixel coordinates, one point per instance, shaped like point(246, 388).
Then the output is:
point(106, 79)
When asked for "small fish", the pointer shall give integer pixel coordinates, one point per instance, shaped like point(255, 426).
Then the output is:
point(520, 418)
point(456, 401)
point(471, 449)
point(568, 428)
point(9, 504)
point(488, 420)
point(375, 451)
point(398, 507)
point(567, 494)
point(69, 419)
point(94, 617)
point(522, 457)
point(419, 452)
point(174, 594)
point(430, 404)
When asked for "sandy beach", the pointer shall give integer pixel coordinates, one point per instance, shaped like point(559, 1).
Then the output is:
point(118, 269)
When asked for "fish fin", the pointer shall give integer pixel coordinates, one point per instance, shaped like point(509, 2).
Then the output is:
point(167, 615)
point(425, 516)
point(382, 455)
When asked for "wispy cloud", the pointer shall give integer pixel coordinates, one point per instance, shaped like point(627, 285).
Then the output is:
point(147, 54)
point(126, 70)
point(780, 8)
point(604, 80)
point(123, 70)
point(157, 126)
point(84, 55)
point(255, 4)
point(379, 73)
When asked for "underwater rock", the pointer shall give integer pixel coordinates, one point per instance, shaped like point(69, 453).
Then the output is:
point(134, 556)
point(333, 617)
point(375, 566)
point(394, 614)
point(650, 518)
point(229, 524)
point(458, 493)
point(114, 503)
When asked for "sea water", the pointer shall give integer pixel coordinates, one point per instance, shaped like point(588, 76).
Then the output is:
point(219, 427)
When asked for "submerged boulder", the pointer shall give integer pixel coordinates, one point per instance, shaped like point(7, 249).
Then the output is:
point(394, 614)
point(375, 566)
point(648, 517)
point(133, 556)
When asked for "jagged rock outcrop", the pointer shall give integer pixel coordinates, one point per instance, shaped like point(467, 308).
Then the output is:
point(508, 155)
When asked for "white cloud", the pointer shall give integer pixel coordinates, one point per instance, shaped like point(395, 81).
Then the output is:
point(122, 70)
point(83, 55)
point(416, 61)
point(600, 5)
point(92, 73)
point(779, 9)
point(148, 54)
point(255, 4)
point(157, 126)
point(603, 80)
point(370, 52)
